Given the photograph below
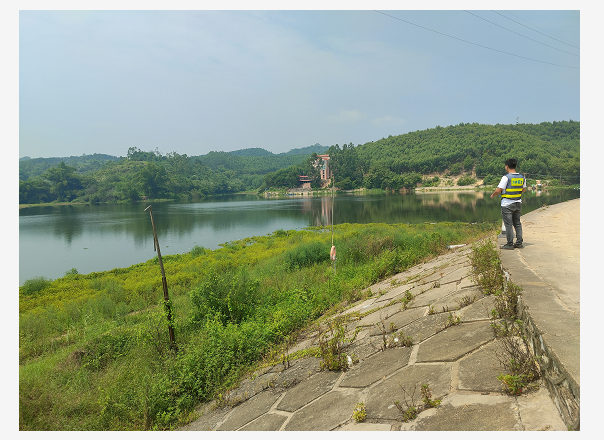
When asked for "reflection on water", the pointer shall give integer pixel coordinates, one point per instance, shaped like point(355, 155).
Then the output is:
point(90, 238)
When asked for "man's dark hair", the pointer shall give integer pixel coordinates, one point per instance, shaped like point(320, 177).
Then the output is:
point(511, 163)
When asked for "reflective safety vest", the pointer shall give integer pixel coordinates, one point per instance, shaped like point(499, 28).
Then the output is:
point(513, 189)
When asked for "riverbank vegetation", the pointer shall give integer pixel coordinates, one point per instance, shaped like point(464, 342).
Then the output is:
point(464, 154)
point(94, 350)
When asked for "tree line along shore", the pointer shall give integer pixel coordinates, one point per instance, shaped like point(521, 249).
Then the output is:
point(460, 155)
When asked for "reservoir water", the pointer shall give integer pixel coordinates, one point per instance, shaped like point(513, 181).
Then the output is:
point(92, 238)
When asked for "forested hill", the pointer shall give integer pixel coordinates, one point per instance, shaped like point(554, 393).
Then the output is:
point(139, 175)
point(543, 150)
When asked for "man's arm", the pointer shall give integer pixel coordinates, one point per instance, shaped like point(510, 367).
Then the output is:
point(496, 192)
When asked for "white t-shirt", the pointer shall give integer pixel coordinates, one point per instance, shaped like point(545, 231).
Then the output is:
point(503, 183)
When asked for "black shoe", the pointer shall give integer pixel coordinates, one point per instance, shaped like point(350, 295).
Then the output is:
point(507, 246)
point(518, 245)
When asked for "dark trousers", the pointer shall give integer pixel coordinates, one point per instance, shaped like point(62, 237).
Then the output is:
point(511, 218)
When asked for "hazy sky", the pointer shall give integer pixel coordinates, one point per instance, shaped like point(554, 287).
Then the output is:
point(196, 81)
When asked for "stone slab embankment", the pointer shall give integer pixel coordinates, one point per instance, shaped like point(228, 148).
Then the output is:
point(457, 361)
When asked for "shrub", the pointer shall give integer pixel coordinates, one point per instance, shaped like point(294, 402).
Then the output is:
point(306, 254)
point(466, 180)
point(198, 250)
point(486, 267)
point(231, 295)
point(34, 285)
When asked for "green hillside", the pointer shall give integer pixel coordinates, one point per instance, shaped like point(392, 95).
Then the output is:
point(543, 150)
point(148, 175)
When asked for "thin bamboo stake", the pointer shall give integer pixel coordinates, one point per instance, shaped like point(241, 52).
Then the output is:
point(167, 305)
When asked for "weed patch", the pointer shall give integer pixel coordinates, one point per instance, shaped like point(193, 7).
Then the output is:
point(486, 267)
point(514, 353)
point(394, 339)
point(333, 343)
point(409, 409)
point(359, 413)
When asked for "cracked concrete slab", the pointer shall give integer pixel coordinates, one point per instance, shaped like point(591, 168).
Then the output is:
point(466, 282)
point(424, 327)
point(363, 348)
point(479, 310)
point(399, 320)
point(380, 402)
point(251, 387)
point(307, 391)
point(377, 315)
point(396, 291)
point(472, 413)
point(538, 412)
point(365, 427)
point(249, 410)
point(478, 371)
point(454, 342)
point(358, 307)
point(452, 302)
point(267, 422)
point(325, 413)
point(433, 294)
point(376, 367)
point(456, 275)
point(299, 370)
point(210, 417)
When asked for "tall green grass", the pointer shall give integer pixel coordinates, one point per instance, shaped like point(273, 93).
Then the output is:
point(94, 351)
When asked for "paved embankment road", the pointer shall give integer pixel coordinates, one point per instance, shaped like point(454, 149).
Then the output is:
point(548, 270)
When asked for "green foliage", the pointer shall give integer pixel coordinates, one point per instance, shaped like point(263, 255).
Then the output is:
point(434, 181)
point(466, 180)
point(34, 285)
point(31, 168)
point(514, 384)
point(332, 344)
point(546, 149)
point(427, 397)
point(410, 410)
point(306, 254)
point(452, 320)
point(539, 148)
point(198, 250)
point(230, 296)
point(486, 267)
point(359, 413)
point(514, 352)
point(151, 175)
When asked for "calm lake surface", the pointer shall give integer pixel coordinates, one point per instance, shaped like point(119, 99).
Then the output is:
point(93, 238)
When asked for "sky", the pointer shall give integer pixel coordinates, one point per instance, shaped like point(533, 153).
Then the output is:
point(195, 81)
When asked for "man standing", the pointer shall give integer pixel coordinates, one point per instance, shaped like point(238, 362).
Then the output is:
point(511, 187)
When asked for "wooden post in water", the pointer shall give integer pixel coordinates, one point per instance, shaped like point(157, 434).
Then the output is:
point(164, 283)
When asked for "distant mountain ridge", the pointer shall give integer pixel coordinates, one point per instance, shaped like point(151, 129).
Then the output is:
point(29, 167)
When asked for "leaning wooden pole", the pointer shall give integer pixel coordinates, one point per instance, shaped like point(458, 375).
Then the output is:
point(167, 305)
